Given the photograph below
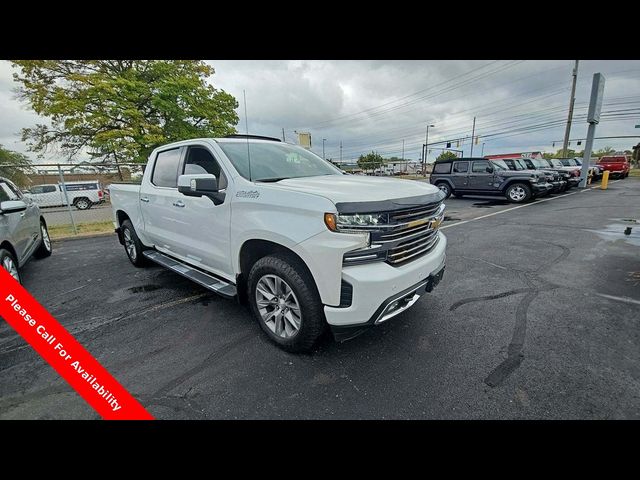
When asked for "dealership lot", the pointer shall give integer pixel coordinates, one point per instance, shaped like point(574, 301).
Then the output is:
point(536, 317)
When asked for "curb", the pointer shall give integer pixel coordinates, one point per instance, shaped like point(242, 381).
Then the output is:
point(82, 236)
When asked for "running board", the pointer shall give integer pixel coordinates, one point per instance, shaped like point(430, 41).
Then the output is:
point(209, 282)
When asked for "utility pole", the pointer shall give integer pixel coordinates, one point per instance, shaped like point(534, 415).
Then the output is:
point(473, 132)
point(340, 151)
point(283, 135)
point(567, 132)
point(482, 151)
point(323, 140)
point(426, 151)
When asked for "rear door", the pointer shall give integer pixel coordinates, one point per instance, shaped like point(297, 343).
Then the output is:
point(481, 176)
point(460, 175)
point(160, 201)
point(15, 226)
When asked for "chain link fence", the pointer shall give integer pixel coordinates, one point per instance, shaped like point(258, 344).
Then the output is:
point(73, 198)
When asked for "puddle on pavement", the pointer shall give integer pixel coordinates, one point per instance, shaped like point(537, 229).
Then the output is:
point(616, 231)
point(489, 203)
point(144, 288)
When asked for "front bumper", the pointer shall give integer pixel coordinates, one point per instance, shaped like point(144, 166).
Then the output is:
point(377, 285)
point(541, 188)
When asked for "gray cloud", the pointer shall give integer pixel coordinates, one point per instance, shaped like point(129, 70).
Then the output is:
point(325, 98)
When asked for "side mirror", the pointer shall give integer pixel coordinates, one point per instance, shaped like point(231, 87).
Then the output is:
point(201, 185)
point(489, 169)
point(12, 206)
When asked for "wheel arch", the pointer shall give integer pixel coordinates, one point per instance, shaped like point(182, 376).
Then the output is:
point(253, 250)
point(7, 246)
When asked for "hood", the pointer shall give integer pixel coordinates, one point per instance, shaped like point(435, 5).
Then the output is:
point(357, 188)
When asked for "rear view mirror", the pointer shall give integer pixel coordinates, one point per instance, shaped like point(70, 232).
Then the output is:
point(12, 206)
point(489, 169)
point(201, 185)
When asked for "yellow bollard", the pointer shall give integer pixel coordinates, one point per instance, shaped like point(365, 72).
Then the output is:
point(605, 180)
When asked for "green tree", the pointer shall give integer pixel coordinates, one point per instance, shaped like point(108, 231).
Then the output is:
point(121, 109)
point(370, 161)
point(14, 166)
point(603, 151)
point(446, 155)
point(560, 154)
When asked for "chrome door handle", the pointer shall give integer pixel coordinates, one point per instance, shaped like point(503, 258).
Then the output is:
point(144, 199)
point(179, 203)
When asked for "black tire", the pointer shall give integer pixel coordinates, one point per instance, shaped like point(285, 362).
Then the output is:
point(6, 254)
point(46, 248)
point(312, 321)
point(82, 203)
point(446, 189)
point(518, 192)
point(135, 255)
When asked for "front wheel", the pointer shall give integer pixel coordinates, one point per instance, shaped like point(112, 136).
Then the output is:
point(518, 192)
point(83, 204)
point(45, 249)
point(446, 189)
point(285, 302)
point(10, 264)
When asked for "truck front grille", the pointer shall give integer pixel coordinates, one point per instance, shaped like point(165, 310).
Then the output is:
point(408, 235)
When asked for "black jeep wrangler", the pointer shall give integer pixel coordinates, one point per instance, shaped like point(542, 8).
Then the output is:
point(479, 176)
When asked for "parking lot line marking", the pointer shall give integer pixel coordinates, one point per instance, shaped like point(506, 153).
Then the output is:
point(521, 206)
point(619, 299)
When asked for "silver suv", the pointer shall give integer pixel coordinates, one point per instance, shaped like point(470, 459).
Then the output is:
point(23, 231)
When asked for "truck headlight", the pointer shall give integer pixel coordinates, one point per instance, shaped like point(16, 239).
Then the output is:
point(354, 223)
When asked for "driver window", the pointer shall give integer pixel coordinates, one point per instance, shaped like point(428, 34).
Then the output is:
point(199, 160)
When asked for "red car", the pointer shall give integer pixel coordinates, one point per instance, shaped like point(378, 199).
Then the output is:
point(616, 164)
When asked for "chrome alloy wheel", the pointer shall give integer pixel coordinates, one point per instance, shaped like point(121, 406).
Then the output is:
point(278, 306)
point(45, 237)
point(9, 265)
point(517, 194)
point(130, 245)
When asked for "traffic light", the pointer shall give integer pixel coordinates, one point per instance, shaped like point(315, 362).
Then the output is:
point(448, 144)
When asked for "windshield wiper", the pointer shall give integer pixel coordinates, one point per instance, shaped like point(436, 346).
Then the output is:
point(271, 180)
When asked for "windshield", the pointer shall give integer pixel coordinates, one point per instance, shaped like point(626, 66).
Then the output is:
point(499, 164)
point(539, 163)
point(556, 163)
point(274, 161)
point(520, 164)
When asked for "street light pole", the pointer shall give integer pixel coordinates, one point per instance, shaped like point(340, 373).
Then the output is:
point(567, 132)
point(426, 150)
point(323, 140)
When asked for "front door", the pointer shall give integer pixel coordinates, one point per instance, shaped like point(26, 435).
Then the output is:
point(206, 226)
point(481, 176)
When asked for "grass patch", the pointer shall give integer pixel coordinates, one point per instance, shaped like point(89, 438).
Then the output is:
point(411, 177)
point(634, 172)
point(57, 232)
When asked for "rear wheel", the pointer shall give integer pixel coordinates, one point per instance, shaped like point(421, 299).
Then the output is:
point(132, 244)
point(10, 264)
point(518, 192)
point(446, 189)
point(285, 302)
point(83, 203)
point(45, 249)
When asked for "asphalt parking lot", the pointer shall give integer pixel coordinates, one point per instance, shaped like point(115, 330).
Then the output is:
point(536, 317)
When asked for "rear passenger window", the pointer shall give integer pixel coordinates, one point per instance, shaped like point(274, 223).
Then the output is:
point(479, 167)
point(444, 167)
point(165, 171)
point(461, 167)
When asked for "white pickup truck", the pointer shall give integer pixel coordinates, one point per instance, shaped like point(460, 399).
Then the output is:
point(81, 195)
point(276, 226)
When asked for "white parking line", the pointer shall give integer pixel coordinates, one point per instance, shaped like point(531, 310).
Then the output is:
point(520, 206)
point(619, 299)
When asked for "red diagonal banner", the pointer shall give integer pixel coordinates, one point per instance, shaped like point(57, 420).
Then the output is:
point(63, 352)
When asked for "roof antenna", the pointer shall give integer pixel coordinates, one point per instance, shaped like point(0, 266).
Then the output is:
point(246, 124)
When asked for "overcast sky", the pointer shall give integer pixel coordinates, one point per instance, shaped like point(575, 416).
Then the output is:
point(375, 105)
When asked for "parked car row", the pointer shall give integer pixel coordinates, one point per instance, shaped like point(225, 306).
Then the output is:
point(519, 180)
